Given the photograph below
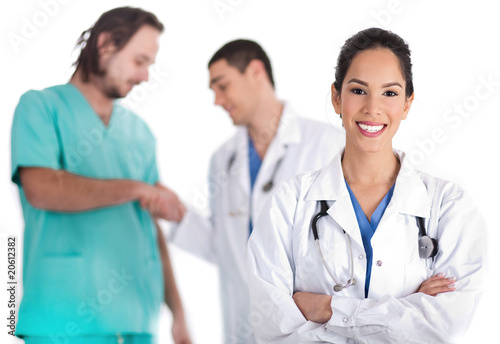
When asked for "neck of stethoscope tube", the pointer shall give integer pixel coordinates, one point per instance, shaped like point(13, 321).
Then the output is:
point(338, 286)
point(337, 283)
point(269, 185)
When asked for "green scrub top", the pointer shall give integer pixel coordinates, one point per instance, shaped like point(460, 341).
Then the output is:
point(93, 272)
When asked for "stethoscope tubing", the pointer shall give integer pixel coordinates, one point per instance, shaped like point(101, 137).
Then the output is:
point(338, 286)
point(428, 247)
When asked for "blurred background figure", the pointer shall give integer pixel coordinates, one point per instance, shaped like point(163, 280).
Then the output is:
point(271, 145)
point(96, 267)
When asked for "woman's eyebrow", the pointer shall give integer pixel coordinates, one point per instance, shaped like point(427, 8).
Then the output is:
point(389, 84)
point(358, 81)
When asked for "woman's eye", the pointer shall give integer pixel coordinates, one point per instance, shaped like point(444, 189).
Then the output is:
point(390, 93)
point(358, 91)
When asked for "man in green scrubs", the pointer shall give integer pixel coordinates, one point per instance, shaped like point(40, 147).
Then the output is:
point(96, 267)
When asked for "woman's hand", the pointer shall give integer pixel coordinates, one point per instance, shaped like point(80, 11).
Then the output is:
point(314, 307)
point(437, 284)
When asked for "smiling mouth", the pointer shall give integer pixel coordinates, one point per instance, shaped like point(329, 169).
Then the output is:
point(371, 128)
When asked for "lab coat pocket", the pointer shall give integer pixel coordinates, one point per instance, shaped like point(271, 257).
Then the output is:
point(415, 274)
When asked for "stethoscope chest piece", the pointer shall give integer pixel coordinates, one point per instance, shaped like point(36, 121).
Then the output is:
point(268, 186)
point(427, 247)
point(340, 287)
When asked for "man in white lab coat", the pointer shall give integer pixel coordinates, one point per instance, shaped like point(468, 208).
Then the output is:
point(270, 145)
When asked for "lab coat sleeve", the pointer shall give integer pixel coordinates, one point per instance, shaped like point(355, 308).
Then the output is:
point(196, 232)
point(271, 280)
point(195, 235)
point(420, 318)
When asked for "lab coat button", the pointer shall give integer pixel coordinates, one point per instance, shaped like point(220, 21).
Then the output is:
point(379, 263)
point(360, 257)
point(345, 319)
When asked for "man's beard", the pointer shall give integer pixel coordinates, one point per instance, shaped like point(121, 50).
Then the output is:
point(110, 89)
point(112, 92)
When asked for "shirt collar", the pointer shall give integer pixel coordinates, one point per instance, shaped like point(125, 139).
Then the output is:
point(288, 132)
point(288, 128)
point(409, 197)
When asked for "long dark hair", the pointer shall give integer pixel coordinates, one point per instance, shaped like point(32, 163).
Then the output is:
point(371, 39)
point(121, 23)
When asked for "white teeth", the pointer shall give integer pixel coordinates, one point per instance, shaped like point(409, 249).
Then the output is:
point(370, 128)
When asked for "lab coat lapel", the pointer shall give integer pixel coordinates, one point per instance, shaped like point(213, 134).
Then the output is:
point(274, 153)
point(330, 186)
point(288, 133)
point(239, 170)
point(398, 224)
point(410, 195)
point(343, 213)
point(236, 228)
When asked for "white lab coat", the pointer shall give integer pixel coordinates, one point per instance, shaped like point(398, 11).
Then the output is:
point(304, 145)
point(284, 259)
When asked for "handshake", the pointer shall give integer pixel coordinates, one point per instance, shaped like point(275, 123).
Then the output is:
point(161, 202)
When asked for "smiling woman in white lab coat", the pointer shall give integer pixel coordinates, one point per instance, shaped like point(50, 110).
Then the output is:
point(368, 274)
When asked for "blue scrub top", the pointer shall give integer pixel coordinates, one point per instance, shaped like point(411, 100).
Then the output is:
point(254, 163)
point(368, 228)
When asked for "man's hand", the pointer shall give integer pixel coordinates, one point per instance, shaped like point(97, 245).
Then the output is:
point(437, 284)
point(163, 203)
point(180, 333)
point(314, 307)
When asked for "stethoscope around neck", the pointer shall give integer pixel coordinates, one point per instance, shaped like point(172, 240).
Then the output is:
point(351, 281)
point(427, 247)
point(265, 188)
point(270, 184)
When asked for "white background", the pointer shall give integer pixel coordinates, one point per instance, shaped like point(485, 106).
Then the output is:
point(454, 43)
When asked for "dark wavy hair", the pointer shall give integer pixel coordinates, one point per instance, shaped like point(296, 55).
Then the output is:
point(371, 39)
point(121, 23)
point(240, 53)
